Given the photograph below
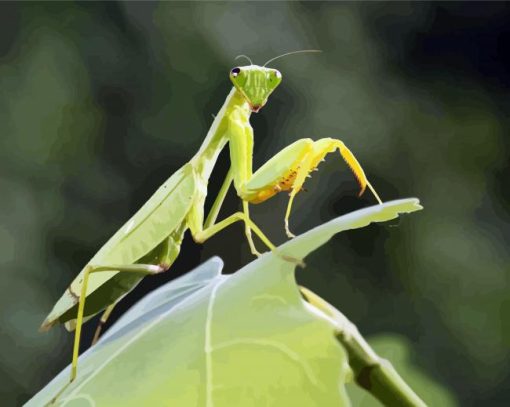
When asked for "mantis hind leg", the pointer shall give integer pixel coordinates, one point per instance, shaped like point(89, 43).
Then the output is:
point(144, 269)
point(164, 255)
point(102, 321)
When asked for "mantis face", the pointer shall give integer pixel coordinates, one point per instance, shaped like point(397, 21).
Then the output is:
point(255, 83)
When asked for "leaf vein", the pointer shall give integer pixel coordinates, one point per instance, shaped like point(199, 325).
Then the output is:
point(208, 348)
point(275, 345)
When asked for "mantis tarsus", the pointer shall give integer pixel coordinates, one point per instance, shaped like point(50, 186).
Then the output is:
point(150, 241)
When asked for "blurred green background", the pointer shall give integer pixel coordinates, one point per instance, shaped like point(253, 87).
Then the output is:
point(101, 102)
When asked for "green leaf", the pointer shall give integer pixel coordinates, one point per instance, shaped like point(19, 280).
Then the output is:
point(214, 340)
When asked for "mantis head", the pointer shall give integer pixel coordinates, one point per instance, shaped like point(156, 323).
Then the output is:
point(255, 83)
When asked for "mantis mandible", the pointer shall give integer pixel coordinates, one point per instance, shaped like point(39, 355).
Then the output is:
point(150, 241)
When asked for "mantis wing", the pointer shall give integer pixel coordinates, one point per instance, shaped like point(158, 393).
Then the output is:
point(163, 213)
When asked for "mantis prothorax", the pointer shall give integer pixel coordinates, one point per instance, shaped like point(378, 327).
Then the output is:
point(150, 241)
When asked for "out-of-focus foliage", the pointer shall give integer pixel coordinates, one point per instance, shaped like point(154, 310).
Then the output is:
point(208, 339)
point(398, 351)
point(101, 102)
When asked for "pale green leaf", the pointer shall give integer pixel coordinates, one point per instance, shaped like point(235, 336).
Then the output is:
point(245, 339)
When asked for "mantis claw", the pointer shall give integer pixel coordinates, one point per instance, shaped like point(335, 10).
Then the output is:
point(294, 260)
point(290, 235)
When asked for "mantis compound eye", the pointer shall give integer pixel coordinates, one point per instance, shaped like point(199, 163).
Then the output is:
point(235, 72)
point(277, 74)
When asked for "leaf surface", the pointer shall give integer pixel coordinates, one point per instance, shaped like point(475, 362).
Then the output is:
point(216, 341)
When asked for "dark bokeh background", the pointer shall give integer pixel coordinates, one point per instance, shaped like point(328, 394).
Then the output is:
point(101, 102)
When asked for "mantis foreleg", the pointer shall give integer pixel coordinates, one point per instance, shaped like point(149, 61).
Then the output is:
point(287, 170)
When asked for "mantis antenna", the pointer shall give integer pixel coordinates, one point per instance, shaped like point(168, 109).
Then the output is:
point(290, 53)
point(244, 56)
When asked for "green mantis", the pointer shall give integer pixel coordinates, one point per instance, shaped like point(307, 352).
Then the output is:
point(150, 241)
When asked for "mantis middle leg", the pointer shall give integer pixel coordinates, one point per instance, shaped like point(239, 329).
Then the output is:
point(201, 231)
point(201, 234)
point(215, 209)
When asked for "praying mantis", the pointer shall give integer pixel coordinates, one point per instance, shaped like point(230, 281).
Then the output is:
point(150, 241)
